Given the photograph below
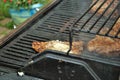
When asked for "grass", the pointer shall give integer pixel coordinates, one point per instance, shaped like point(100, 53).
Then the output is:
point(2, 17)
point(4, 31)
point(7, 22)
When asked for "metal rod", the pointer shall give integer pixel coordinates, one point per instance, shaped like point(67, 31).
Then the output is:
point(70, 40)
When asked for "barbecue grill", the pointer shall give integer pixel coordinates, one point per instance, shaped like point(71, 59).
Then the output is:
point(65, 20)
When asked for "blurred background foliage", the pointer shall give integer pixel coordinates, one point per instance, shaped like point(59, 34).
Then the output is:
point(4, 10)
point(4, 13)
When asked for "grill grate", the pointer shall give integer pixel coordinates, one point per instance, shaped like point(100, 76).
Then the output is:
point(94, 24)
point(72, 7)
point(19, 50)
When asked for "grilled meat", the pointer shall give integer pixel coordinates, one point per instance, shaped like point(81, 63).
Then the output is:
point(106, 45)
point(104, 6)
point(77, 46)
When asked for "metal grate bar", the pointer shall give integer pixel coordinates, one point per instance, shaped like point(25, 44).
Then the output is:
point(84, 13)
point(112, 25)
point(97, 20)
point(16, 54)
point(12, 61)
point(117, 34)
point(21, 48)
point(110, 17)
point(10, 64)
point(101, 15)
point(10, 56)
point(92, 15)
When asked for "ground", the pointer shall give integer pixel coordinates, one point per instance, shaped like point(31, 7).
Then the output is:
point(3, 30)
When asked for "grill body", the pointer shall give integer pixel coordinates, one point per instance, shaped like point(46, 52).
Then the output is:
point(17, 50)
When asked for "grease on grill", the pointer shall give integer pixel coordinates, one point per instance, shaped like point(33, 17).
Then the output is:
point(104, 6)
point(106, 45)
point(77, 46)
